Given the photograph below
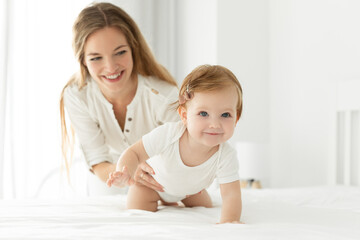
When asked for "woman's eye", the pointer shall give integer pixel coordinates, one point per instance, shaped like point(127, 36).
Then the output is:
point(203, 114)
point(95, 59)
point(225, 115)
point(121, 52)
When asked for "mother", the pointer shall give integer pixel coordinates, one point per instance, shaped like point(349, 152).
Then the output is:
point(119, 94)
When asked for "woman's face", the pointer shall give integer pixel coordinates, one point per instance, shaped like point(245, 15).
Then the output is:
point(109, 60)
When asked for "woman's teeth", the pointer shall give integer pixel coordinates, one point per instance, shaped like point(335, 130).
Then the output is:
point(113, 76)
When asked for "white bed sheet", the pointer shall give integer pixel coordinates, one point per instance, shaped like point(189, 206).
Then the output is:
point(304, 213)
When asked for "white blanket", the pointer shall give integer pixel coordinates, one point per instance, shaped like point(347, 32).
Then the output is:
point(306, 213)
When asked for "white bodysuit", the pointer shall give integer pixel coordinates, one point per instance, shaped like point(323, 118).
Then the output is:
point(179, 180)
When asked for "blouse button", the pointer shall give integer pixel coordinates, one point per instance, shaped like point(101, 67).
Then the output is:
point(155, 91)
point(127, 130)
point(129, 119)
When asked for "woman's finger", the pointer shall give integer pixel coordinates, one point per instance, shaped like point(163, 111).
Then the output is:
point(147, 180)
point(143, 175)
point(152, 182)
point(152, 186)
point(146, 168)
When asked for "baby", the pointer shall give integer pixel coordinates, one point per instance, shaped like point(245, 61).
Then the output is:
point(188, 155)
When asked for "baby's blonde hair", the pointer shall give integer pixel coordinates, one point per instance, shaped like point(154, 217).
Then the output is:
point(207, 78)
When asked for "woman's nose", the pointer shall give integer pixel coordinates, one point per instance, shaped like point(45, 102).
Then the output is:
point(110, 65)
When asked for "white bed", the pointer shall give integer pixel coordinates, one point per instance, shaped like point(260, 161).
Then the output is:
point(304, 213)
point(324, 212)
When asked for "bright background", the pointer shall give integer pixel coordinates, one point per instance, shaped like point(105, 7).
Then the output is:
point(289, 56)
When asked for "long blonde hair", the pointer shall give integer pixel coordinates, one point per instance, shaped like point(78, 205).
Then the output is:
point(95, 17)
point(210, 78)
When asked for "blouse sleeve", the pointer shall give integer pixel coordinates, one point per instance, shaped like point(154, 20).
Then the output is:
point(167, 109)
point(90, 136)
point(228, 169)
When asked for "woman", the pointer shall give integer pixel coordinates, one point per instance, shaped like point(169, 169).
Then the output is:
point(119, 94)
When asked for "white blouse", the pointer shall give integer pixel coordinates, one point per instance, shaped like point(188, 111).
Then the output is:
point(92, 117)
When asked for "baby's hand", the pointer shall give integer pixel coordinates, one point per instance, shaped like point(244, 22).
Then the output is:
point(233, 222)
point(120, 178)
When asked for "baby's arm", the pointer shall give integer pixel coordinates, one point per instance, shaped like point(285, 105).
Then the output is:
point(231, 202)
point(127, 165)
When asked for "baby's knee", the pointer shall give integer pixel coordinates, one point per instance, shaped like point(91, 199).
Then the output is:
point(143, 198)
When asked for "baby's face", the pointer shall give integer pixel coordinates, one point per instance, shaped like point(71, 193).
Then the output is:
point(211, 116)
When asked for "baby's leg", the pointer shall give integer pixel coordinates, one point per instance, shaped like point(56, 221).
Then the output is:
point(198, 200)
point(142, 197)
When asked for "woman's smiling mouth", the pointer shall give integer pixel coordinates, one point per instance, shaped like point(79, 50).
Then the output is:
point(113, 77)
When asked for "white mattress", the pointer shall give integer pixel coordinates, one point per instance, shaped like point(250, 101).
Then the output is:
point(305, 213)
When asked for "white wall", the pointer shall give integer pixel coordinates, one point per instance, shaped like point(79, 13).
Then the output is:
point(196, 35)
point(288, 55)
point(243, 47)
point(182, 34)
point(314, 44)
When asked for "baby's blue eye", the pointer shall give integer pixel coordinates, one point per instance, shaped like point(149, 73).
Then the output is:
point(203, 114)
point(225, 115)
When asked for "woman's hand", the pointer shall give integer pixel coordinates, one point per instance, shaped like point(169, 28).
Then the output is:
point(143, 175)
point(120, 178)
